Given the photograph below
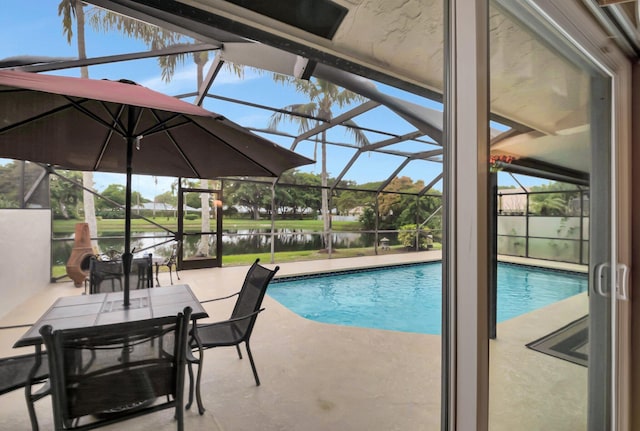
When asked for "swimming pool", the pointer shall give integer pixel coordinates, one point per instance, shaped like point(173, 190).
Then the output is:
point(408, 297)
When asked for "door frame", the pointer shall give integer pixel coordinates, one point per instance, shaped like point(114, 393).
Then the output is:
point(465, 346)
point(183, 263)
point(581, 28)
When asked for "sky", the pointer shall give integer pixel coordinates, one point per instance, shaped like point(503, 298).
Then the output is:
point(35, 29)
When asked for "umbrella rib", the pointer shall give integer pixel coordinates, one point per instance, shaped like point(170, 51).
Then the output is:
point(111, 127)
point(163, 128)
point(112, 130)
point(87, 112)
point(161, 125)
point(234, 148)
point(34, 118)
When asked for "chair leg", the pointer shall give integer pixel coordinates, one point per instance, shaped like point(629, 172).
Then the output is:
point(31, 408)
point(253, 365)
point(30, 397)
point(191, 360)
point(191, 382)
point(199, 377)
point(239, 352)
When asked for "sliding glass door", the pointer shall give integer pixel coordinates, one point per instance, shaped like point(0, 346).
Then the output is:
point(552, 368)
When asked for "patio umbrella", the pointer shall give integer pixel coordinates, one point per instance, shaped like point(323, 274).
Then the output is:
point(118, 126)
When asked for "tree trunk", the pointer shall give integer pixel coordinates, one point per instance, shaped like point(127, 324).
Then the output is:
point(63, 211)
point(87, 177)
point(155, 196)
point(203, 247)
point(326, 216)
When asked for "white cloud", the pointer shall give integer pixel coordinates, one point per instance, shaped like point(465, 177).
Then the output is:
point(253, 120)
point(184, 79)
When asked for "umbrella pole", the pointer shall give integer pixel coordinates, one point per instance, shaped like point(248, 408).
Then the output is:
point(127, 256)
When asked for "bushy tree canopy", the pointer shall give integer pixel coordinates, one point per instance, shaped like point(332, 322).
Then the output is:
point(553, 204)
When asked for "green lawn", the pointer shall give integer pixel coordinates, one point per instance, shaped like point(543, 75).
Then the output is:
point(287, 256)
point(117, 227)
point(140, 225)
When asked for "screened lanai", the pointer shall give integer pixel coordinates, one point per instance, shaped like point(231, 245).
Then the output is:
point(413, 154)
point(384, 144)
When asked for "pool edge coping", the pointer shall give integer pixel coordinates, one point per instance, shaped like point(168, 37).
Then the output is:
point(532, 263)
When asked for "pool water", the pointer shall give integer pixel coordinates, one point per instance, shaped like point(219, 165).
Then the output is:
point(408, 297)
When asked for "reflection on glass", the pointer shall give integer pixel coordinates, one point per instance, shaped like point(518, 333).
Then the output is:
point(544, 100)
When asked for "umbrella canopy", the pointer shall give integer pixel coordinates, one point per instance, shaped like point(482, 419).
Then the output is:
point(118, 126)
point(83, 124)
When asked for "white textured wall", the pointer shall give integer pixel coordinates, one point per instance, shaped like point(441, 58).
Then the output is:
point(25, 255)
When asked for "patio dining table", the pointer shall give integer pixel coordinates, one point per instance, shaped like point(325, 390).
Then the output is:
point(107, 308)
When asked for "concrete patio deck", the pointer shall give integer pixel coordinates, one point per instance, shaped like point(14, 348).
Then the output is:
point(321, 377)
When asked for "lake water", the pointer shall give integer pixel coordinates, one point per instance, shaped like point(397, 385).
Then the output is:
point(239, 241)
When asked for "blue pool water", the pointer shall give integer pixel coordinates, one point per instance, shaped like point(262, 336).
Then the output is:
point(408, 298)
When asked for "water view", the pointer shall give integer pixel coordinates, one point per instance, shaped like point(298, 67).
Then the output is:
point(240, 241)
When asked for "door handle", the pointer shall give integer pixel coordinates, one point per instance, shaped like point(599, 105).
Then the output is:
point(622, 282)
point(599, 288)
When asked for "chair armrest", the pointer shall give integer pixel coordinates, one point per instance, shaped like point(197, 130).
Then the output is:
point(25, 325)
point(225, 322)
point(190, 357)
point(218, 299)
point(42, 392)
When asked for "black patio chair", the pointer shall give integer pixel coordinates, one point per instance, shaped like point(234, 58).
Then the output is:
point(231, 332)
point(110, 373)
point(170, 262)
point(15, 372)
point(141, 275)
point(105, 271)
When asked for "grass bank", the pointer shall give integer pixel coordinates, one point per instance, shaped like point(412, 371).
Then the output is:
point(171, 223)
point(287, 256)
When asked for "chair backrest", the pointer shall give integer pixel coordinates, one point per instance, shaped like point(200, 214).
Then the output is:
point(172, 260)
point(14, 371)
point(101, 271)
point(107, 368)
point(252, 293)
point(141, 276)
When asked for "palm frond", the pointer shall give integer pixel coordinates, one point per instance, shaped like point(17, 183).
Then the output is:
point(304, 123)
point(154, 37)
point(358, 135)
point(67, 12)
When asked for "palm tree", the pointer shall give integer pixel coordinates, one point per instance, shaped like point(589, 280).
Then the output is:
point(67, 9)
point(323, 95)
point(200, 58)
point(155, 38)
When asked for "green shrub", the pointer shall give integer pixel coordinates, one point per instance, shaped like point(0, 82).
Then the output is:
point(407, 237)
point(368, 219)
point(111, 214)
